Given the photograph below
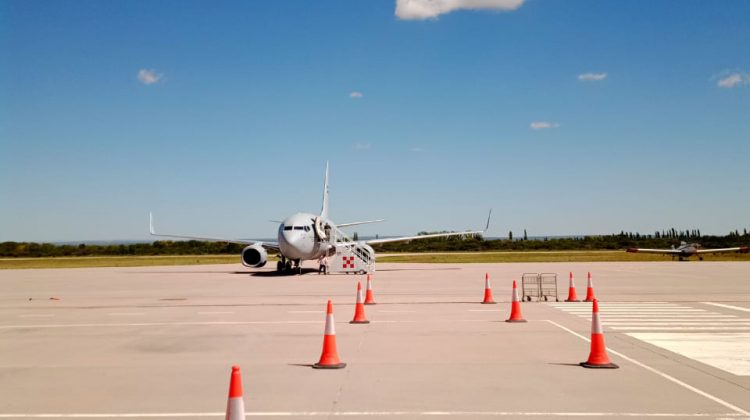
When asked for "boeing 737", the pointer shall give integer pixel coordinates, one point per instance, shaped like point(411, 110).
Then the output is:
point(306, 236)
point(686, 250)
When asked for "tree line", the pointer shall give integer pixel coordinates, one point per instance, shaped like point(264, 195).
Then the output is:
point(622, 240)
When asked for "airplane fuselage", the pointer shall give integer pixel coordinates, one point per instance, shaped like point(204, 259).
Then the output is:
point(297, 238)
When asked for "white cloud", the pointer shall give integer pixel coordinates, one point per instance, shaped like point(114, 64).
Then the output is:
point(588, 77)
point(427, 9)
point(733, 80)
point(356, 95)
point(362, 146)
point(416, 150)
point(543, 125)
point(149, 76)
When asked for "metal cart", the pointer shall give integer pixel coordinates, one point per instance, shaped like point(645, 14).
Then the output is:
point(539, 286)
point(530, 286)
point(548, 286)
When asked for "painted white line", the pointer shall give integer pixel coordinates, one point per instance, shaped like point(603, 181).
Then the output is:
point(602, 306)
point(738, 323)
point(721, 305)
point(156, 324)
point(669, 316)
point(125, 313)
point(397, 312)
point(36, 316)
point(305, 312)
point(216, 313)
point(662, 374)
point(368, 414)
point(659, 328)
point(627, 311)
point(484, 310)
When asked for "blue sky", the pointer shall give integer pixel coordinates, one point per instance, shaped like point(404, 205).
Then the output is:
point(565, 117)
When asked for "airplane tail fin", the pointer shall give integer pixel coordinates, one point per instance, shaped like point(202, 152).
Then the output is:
point(324, 209)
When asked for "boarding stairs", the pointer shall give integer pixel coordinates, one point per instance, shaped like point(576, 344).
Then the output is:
point(350, 256)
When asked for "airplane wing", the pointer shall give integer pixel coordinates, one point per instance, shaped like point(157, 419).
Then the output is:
point(270, 245)
point(742, 249)
point(434, 235)
point(655, 251)
point(358, 223)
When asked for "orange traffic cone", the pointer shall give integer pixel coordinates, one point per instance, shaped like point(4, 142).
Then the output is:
point(572, 291)
point(235, 405)
point(369, 298)
point(589, 290)
point(329, 359)
point(359, 308)
point(598, 357)
point(487, 290)
point(515, 308)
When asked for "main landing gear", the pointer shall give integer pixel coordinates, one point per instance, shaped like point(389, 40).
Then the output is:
point(288, 266)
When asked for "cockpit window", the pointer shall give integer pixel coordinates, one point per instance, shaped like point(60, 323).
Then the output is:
point(298, 228)
point(287, 228)
point(307, 228)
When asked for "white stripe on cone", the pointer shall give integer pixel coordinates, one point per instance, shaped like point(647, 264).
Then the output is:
point(596, 324)
point(591, 283)
point(330, 327)
point(515, 295)
point(235, 409)
point(486, 282)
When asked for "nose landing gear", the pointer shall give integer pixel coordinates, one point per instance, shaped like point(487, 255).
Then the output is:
point(288, 266)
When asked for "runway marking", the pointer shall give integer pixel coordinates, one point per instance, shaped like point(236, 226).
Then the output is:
point(484, 310)
point(368, 414)
point(658, 328)
point(305, 312)
point(721, 305)
point(657, 325)
point(36, 316)
point(662, 374)
point(630, 311)
point(216, 313)
point(396, 312)
point(667, 316)
point(125, 313)
point(156, 324)
point(725, 351)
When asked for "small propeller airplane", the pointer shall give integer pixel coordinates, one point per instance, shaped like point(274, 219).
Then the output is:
point(305, 236)
point(686, 250)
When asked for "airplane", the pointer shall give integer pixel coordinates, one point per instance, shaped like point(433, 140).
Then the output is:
point(686, 250)
point(306, 236)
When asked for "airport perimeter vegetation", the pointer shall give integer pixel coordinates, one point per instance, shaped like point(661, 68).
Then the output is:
point(600, 248)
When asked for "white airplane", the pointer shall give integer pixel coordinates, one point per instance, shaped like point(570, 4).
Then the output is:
point(305, 236)
point(686, 250)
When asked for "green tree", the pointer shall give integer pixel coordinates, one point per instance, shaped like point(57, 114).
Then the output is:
point(510, 234)
point(525, 236)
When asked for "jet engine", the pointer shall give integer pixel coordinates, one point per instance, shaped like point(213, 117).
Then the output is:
point(254, 256)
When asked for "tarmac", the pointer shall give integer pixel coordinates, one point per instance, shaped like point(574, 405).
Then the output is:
point(159, 342)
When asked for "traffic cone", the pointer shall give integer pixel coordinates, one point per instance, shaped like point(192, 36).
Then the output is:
point(572, 291)
point(515, 308)
point(235, 405)
point(589, 290)
point(369, 298)
point(329, 359)
point(487, 290)
point(598, 357)
point(359, 308)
